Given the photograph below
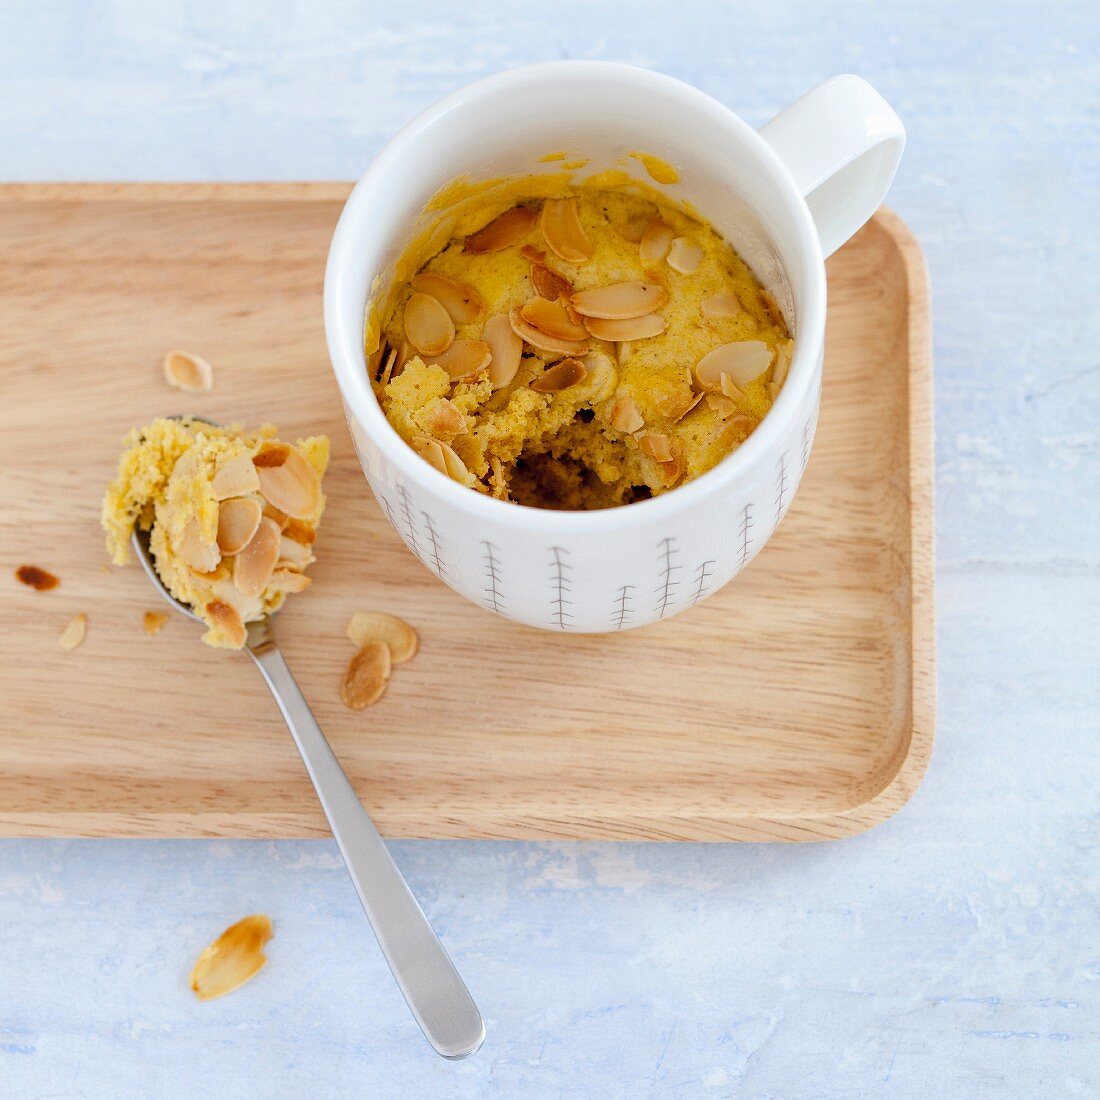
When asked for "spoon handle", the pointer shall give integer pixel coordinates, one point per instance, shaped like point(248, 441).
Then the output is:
point(431, 985)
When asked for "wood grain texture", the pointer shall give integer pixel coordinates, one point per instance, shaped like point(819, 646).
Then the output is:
point(797, 704)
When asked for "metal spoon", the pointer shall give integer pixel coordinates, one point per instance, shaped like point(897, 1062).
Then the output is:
point(431, 985)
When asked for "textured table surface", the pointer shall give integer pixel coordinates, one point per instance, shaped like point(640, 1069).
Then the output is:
point(953, 951)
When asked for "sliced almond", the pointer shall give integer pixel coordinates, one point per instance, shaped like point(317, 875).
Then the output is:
point(551, 318)
point(460, 300)
point(453, 466)
point(673, 470)
point(502, 231)
point(657, 445)
point(443, 420)
point(431, 450)
point(463, 360)
point(295, 553)
point(193, 552)
point(742, 360)
point(235, 477)
point(782, 362)
point(560, 376)
point(366, 675)
point(377, 626)
point(270, 455)
point(548, 283)
point(620, 301)
point(224, 617)
point(290, 581)
point(723, 406)
point(654, 245)
point(427, 324)
point(723, 304)
point(74, 633)
point(188, 372)
point(253, 566)
point(299, 531)
point(680, 414)
point(629, 328)
point(387, 370)
point(153, 621)
point(505, 349)
point(535, 255)
point(730, 389)
point(220, 572)
point(281, 518)
point(291, 484)
point(232, 959)
point(238, 519)
point(685, 255)
point(622, 351)
point(625, 416)
point(543, 340)
point(561, 227)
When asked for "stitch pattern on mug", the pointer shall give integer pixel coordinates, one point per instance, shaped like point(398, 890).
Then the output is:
point(703, 574)
point(746, 536)
point(561, 586)
point(624, 613)
point(493, 598)
point(410, 523)
point(436, 561)
point(805, 445)
point(781, 487)
point(669, 580)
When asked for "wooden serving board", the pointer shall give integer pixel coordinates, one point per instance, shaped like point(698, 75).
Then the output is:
point(797, 704)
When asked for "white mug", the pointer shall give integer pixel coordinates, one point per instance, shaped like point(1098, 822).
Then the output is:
point(785, 197)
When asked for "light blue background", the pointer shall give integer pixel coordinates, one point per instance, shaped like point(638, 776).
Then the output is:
point(952, 952)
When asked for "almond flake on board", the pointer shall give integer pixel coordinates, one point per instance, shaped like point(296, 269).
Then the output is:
point(188, 372)
point(234, 958)
point(153, 621)
point(377, 626)
point(41, 580)
point(365, 677)
point(74, 633)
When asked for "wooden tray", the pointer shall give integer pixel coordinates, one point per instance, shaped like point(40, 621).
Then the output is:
point(797, 704)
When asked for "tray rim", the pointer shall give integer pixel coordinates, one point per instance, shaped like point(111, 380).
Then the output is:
point(796, 827)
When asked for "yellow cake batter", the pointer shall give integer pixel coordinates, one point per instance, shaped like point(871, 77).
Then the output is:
point(232, 516)
point(610, 409)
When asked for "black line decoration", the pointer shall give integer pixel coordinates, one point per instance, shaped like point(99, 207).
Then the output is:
point(703, 575)
point(410, 523)
point(561, 586)
point(493, 598)
point(666, 589)
point(436, 560)
point(386, 508)
point(746, 536)
point(624, 613)
point(805, 446)
point(781, 487)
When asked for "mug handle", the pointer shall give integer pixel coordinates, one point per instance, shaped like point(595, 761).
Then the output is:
point(841, 143)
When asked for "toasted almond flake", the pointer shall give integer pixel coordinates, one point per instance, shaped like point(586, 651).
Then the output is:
point(548, 283)
point(633, 229)
point(685, 255)
point(443, 420)
point(729, 388)
point(377, 626)
point(194, 552)
point(463, 360)
point(366, 675)
point(657, 445)
point(74, 633)
point(535, 255)
point(153, 621)
point(620, 300)
point(502, 231)
point(723, 304)
point(654, 245)
point(551, 318)
point(387, 370)
point(295, 553)
point(299, 531)
point(289, 581)
point(220, 572)
point(41, 580)
point(238, 520)
point(782, 362)
point(427, 324)
point(627, 329)
point(563, 232)
point(453, 466)
point(253, 566)
point(236, 956)
point(736, 429)
point(460, 300)
point(281, 518)
point(223, 616)
point(723, 406)
point(292, 484)
point(560, 376)
point(236, 477)
point(625, 416)
point(431, 450)
point(543, 340)
point(674, 470)
point(691, 405)
point(622, 351)
point(188, 372)
point(742, 360)
point(505, 350)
